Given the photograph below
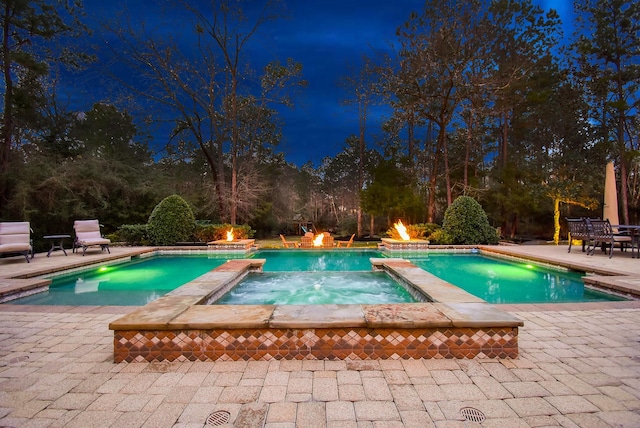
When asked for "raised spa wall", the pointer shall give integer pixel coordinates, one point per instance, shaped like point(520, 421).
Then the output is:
point(181, 326)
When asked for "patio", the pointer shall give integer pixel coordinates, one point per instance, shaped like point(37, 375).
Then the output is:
point(578, 366)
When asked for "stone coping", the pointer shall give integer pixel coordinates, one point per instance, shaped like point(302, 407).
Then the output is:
point(185, 307)
point(11, 288)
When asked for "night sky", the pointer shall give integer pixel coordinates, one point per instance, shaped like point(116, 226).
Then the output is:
point(328, 37)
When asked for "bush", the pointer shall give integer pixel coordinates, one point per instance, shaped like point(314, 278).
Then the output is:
point(133, 234)
point(216, 232)
point(171, 221)
point(467, 223)
point(440, 237)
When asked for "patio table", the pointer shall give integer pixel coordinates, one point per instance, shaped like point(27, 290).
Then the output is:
point(57, 242)
point(634, 231)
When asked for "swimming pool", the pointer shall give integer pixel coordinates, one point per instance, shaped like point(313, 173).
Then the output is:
point(143, 280)
point(502, 281)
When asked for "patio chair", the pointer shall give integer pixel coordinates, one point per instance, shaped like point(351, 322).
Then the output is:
point(306, 241)
point(288, 244)
point(579, 230)
point(327, 240)
point(601, 234)
point(88, 235)
point(346, 244)
point(15, 237)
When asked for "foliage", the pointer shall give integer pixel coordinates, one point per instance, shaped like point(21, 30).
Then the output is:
point(133, 234)
point(467, 223)
point(217, 232)
point(171, 221)
point(426, 229)
point(440, 237)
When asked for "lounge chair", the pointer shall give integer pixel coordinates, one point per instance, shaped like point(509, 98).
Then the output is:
point(288, 244)
point(346, 244)
point(88, 235)
point(15, 237)
point(601, 233)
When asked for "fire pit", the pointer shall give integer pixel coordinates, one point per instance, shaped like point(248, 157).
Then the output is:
point(405, 243)
point(231, 244)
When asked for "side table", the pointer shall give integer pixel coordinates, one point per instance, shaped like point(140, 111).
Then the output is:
point(56, 243)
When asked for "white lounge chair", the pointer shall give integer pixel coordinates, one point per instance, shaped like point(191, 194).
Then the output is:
point(88, 235)
point(15, 237)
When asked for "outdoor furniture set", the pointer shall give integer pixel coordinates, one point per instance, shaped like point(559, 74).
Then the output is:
point(15, 238)
point(594, 232)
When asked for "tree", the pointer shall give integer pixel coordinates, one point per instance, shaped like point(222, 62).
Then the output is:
point(609, 64)
point(28, 25)
point(212, 94)
point(364, 87)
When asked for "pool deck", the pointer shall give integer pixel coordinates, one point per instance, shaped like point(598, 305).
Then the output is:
point(579, 366)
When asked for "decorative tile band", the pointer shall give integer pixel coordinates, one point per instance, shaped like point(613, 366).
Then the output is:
point(314, 344)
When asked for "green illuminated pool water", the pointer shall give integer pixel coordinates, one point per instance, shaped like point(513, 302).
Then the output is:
point(502, 281)
point(133, 283)
point(141, 281)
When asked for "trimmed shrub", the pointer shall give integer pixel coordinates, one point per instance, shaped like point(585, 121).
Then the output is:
point(467, 223)
point(171, 221)
point(133, 234)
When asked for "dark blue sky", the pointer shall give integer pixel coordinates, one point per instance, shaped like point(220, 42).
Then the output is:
point(329, 38)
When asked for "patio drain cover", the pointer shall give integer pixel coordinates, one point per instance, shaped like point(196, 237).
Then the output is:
point(216, 419)
point(473, 415)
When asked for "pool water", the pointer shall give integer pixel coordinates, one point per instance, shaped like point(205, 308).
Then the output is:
point(134, 283)
point(316, 288)
point(317, 260)
point(503, 281)
point(143, 280)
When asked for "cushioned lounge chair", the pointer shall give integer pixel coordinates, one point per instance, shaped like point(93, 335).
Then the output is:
point(88, 235)
point(287, 244)
point(346, 244)
point(15, 237)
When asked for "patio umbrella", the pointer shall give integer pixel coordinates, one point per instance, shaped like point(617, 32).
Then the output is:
point(610, 208)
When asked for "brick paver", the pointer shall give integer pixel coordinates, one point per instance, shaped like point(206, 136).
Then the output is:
point(50, 383)
point(579, 365)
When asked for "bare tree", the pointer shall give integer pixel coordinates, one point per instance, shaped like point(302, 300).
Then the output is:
point(212, 91)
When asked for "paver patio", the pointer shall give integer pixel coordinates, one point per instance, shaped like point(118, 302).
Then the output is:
point(579, 366)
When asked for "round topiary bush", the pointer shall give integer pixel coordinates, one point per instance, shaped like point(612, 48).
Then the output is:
point(171, 221)
point(466, 223)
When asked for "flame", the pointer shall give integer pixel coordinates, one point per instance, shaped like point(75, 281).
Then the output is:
point(402, 230)
point(230, 235)
point(317, 241)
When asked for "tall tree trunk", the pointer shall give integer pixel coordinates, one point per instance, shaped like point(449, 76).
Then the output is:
point(447, 172)
point(372, 228)
point(433, 179)
point(7, 117)
point(505, 138)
